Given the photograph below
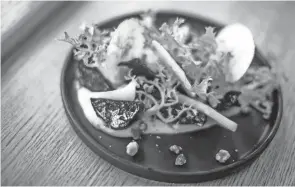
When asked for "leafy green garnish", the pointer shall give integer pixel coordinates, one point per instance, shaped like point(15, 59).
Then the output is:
point(206, 67)
point(90, 46)
point(210, 65)
point(256, 88)
point(173, 29)
point(258, 91)
point(204, 50)
point(198, 59)
point(202, 88)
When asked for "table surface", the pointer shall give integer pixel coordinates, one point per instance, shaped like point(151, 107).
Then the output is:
point(38, 145)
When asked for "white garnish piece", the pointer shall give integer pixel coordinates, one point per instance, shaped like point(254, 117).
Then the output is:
point(170, 63)
point(182, 33)
point(132, 148)
point(127, 39)
point(82, 26)
point(151, 59)
point(238, 40)
point(91, 30)
point(148, 21)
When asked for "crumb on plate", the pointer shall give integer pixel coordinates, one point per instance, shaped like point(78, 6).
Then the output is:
point(132, 148)
point(175, 149)
point(222, 156)
point(180, 160)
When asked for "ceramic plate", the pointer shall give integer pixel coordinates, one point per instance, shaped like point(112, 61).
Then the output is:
point(154, 160)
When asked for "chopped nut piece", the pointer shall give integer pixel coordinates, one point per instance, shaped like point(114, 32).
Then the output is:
point(176, 149)
point(180, 160)
point(132, 148)
point(222, 156)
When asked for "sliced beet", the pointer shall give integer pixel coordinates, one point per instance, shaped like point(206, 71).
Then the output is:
point(230, 99)
point(116, 114)
point(198, 119)
point(91, 78)
point(139, 68)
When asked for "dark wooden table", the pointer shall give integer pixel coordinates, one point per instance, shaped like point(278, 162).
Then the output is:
point(38, 145)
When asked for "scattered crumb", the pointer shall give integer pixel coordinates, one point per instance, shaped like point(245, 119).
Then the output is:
point(224, 136)
point(236, 150)
point(190, 137)
point(158, 137)
point(132, 148)
point(222, 156)
point(110, 146)
point(180, 160)
point(99, 137)
point(157, 145)
point(175, 149)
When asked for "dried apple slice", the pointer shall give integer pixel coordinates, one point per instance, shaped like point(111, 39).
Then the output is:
point(237, 40)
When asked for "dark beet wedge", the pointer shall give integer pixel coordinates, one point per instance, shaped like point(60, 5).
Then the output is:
point(116, 114)
point(91, 78)
point(198, 119)
point(230, 99)
point(139, 68)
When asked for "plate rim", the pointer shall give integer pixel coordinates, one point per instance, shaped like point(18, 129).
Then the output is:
point(145, 172)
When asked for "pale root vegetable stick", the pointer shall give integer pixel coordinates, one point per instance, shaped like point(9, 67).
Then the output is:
point(170, 63)
point(210, 112)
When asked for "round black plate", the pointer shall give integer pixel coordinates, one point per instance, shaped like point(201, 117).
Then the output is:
point(154, 160)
